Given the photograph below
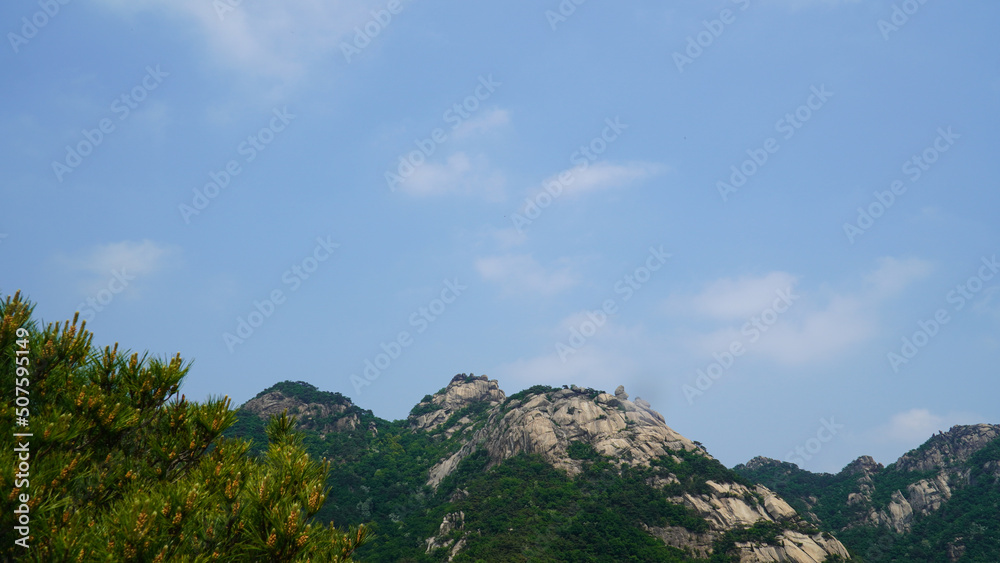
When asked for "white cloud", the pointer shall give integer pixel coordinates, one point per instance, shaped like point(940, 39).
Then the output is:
point(139, 259)
point(142, 258)
point(604, 175)
point(459, 174)
point(893, 274)
point(520, 273)
point(917, 425)
point(817, 326)
point(730, 299)
point(270, 39)
point(819, 335)
point(491, 120)
point(914, 424)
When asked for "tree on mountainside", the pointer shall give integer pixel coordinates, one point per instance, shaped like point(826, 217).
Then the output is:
point(113, 464)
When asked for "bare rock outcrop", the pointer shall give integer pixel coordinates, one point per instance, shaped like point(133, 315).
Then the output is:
point(307, 414)
point(733, 505)
point(928, 495)
point(675, 536)
point(865, 466)
point(949, 448)
point(898, 515)
point(451, 521)
point(460, 393)
point(793, 546)
point(547, 423)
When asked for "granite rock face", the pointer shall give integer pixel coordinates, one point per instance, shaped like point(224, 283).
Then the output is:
point(796, 547)
point(547, 423)
point(462, 392)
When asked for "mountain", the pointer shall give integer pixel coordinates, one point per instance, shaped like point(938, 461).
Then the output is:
point(545, 474)
point(937, 503)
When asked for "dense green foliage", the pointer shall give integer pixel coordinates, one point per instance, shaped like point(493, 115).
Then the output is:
point(252, 429)
point(121, 468)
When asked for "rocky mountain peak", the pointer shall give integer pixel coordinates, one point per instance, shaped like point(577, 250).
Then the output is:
point(760, 462)
point(950, 448)
point(546, 420)
point(313, 409)
point(863, 466)
point(462, 392)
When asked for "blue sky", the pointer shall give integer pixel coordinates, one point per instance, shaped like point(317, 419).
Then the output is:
point(737, 209)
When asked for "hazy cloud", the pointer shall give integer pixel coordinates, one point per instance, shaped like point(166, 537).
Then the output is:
point(520, 273)
point(458, 174)
point(492, 119)
point(605, 175)
point(135, 258)
point(917, 425)
point(893, 274)
point(269, 39)
point(817, 326)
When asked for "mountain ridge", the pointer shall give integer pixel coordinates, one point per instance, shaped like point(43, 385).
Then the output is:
point(463, 475)
point(695, 509)
point(935, 490)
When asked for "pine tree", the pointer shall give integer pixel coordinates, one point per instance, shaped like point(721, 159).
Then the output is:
point(120, 467)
